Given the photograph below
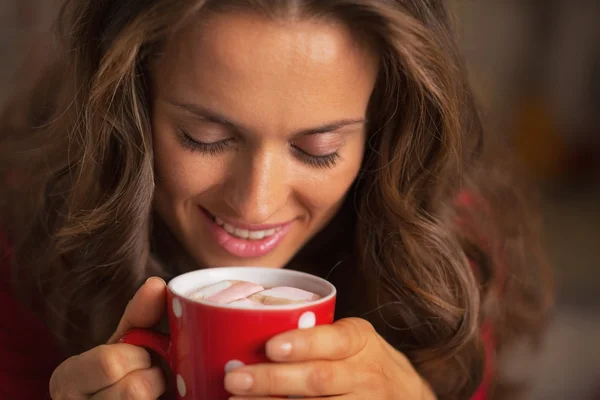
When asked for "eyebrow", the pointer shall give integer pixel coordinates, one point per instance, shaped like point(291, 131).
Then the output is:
point(212, 116)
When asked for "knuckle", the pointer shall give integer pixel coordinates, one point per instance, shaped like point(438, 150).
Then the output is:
point(344, 339)
point(54, 385)
point(352, 333)
point(362, 325)
point(112, 363)
point(59, 388)
point(321, 378)
point(63, 394)
point(139, 388)
point(272, 379)
point(402, 360)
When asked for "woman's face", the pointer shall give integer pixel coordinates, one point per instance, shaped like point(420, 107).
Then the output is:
point(259, 132)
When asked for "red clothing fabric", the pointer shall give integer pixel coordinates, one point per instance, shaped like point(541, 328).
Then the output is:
point(28, 354)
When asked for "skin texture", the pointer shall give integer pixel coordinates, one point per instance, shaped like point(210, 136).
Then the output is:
point(274, 81)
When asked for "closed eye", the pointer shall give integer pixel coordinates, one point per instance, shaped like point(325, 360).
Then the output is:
point(211, 148)
point(322, 161)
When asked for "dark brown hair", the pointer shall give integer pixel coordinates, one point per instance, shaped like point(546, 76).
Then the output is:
point(426, 206)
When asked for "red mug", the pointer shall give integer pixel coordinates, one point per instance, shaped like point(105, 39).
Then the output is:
point(207, 340)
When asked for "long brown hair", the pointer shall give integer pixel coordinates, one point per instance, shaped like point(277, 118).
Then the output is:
point(427, 206)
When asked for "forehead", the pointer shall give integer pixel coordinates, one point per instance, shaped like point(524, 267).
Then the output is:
point(243, 63)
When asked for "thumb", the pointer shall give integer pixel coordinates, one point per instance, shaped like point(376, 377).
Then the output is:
point(145, 310)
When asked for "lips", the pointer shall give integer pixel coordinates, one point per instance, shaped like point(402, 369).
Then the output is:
point(245, 240)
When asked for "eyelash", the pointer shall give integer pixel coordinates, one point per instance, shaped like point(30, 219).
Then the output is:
point(212, 149)
point(189, 143)
point(326, 161)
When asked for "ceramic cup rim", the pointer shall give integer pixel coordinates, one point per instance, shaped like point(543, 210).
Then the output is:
point(175, 284)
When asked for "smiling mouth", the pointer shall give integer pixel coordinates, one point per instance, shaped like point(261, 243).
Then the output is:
point(243, 233)
point(246, 240)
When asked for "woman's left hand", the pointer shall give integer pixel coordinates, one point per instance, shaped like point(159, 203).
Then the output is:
point(345, 360)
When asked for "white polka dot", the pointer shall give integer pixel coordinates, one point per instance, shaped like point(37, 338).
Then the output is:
point(233, 364)
point(177, 310)
point(307, 320)
point(181, 386)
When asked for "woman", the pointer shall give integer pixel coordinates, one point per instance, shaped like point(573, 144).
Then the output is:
point(335, 137)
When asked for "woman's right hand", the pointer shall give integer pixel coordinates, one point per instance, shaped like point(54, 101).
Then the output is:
point(117, 371)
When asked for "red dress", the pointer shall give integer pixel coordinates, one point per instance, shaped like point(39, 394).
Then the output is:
point(28, 354)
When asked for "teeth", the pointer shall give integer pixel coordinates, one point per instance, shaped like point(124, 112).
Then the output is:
point(256, 235)
point(245, 233)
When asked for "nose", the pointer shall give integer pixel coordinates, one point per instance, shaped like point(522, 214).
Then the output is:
point(256, 189)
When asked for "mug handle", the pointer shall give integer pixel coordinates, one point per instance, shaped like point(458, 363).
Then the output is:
point(157, 342)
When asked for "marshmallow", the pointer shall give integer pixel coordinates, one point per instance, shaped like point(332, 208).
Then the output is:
point(226, 292)
point(210, 290)
point(248, 294)
point(283, 295)
point(245, 303)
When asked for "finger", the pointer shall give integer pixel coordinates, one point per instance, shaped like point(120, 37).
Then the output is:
point(319, 378)
point(145, 309)
point(146, 384)
point(338, 341)
point(97, 369)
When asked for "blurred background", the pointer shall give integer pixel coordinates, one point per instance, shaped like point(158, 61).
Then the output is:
point(535, 66)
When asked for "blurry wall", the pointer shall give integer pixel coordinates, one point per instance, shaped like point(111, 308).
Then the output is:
point(535, 65)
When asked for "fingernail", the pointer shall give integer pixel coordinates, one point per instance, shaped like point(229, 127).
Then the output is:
point(156, 278)
point(279, 349)
point(238, 381)
point(283, 350)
